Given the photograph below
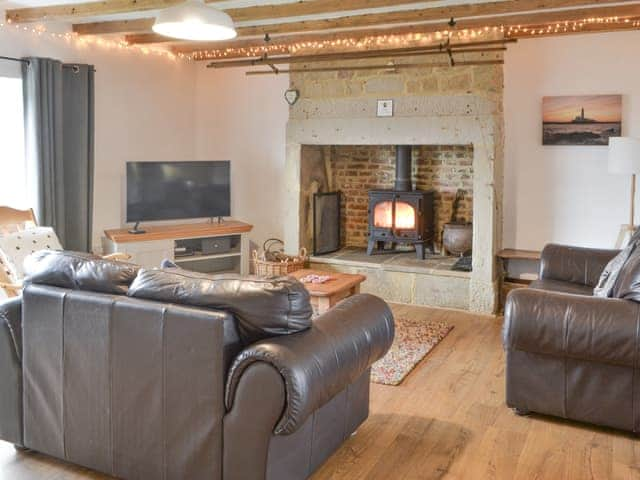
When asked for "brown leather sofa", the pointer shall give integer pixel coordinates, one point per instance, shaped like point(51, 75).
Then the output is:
point(570, 354)
point(146, 374)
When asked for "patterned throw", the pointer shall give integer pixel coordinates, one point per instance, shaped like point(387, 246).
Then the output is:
point(414, 339)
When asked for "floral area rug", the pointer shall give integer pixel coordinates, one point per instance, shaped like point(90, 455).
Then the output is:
point(414, 339)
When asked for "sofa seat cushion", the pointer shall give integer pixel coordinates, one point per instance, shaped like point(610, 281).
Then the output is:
point(263, 307)
point(562, 287)
point(79, 271)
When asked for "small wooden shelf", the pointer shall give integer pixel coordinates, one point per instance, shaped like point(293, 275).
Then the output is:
point(195, 258)
point(515, 254)
point(178, 231)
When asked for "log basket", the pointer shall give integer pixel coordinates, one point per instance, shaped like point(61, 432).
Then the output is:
point(274, 262)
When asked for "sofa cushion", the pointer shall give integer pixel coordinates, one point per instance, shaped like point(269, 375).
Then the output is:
point(627, 285)
point(79, 271)
point(611, 273)
point(17, 246)
point(562, 287)
point(263, 307)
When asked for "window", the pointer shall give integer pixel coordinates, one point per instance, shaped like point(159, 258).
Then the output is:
point(13, 183)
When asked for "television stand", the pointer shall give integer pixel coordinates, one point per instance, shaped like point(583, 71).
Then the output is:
point(136, 230)
point(214, 247)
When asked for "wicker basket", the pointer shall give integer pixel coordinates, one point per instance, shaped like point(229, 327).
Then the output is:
point(275, 263)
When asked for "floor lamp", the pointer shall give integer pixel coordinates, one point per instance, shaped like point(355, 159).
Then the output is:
point(624, 158)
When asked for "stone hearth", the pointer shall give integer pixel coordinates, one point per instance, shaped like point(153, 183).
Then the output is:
point(402, 278)
point(433, 107)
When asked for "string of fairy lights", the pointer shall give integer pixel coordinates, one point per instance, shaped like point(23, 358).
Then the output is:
point(84, 41)
point(413, 39)
point(346, 43)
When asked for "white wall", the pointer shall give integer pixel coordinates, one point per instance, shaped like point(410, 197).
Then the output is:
point(144, 110)
point(151, 108)
point(564, 193)
point(243, 119)
point(552, 194)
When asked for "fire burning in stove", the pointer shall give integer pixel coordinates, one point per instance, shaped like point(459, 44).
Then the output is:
point(405, 215)
point(402, 215)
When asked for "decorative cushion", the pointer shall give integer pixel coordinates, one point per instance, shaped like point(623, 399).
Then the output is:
point(4, 278)
point(627, 285)
point(15, 247)
point(262, 307)
point(80, 271)
point(609, 275)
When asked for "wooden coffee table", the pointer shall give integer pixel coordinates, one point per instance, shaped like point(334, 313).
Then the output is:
point(326, 295)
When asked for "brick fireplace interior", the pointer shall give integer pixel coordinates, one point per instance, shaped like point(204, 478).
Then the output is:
point(354, 170)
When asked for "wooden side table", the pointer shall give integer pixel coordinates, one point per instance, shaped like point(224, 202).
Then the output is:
point(326, 295)
point(507, 284)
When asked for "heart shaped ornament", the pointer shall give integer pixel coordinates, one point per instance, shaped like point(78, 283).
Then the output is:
point(291, 96)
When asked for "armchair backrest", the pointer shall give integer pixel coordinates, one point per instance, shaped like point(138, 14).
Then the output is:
point(12, 220)
point(129, 387)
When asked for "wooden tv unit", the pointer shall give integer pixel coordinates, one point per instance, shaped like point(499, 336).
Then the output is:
point(160, 242)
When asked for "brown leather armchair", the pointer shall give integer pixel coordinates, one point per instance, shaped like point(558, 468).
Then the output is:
point(570, 354)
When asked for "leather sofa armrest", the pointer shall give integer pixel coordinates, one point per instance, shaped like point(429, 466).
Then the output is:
point(11, 319)
point(320, 362)
point(574, 264)
point(11, 427)
point(572, 326)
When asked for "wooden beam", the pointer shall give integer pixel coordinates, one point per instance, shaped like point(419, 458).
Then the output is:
point(545, 31)
point(118, 26)
point(412, 16)
point(89, 9)
point(438, 49)
point(399, 66)
point(369, 20)
point(507, 21)
point(246, 14)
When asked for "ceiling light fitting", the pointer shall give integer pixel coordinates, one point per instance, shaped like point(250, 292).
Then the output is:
point(194, 20)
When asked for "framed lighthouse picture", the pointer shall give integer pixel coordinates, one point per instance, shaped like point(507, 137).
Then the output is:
point(581, 120)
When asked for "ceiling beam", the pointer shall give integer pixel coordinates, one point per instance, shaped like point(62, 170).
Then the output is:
point(543, 18)
point(587, 28)
point(76, 11)
point(422, 15)
point(245, 14)
point(439, 49)
point(117, 27)
point(369, 20)
point(386, 67)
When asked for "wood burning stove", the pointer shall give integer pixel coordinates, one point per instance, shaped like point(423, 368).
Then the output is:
point(402, 215)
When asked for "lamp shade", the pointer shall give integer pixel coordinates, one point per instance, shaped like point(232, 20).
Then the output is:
point(194, 20)
point(624, 155)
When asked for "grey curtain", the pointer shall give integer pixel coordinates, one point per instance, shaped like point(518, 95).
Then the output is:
point(59, 135)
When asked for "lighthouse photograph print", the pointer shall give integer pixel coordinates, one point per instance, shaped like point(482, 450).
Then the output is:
point(581, 120)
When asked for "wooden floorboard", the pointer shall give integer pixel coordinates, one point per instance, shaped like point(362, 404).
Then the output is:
point(447, 420)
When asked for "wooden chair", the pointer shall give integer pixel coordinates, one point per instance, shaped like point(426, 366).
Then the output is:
point(12, 220)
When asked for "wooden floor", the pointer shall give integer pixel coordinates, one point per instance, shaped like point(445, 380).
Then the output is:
point(447, 420)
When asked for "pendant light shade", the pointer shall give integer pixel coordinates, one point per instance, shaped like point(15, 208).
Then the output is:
point(194, 20)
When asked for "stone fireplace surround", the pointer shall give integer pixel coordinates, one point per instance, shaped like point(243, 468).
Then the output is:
point(454, 106)
point(461, 120)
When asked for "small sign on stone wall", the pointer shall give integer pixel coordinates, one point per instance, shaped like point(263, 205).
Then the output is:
point(385, 108)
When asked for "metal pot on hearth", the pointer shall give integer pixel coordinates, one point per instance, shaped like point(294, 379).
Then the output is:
point(457, 236)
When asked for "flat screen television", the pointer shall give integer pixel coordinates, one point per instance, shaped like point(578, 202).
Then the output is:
point(177, 190)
